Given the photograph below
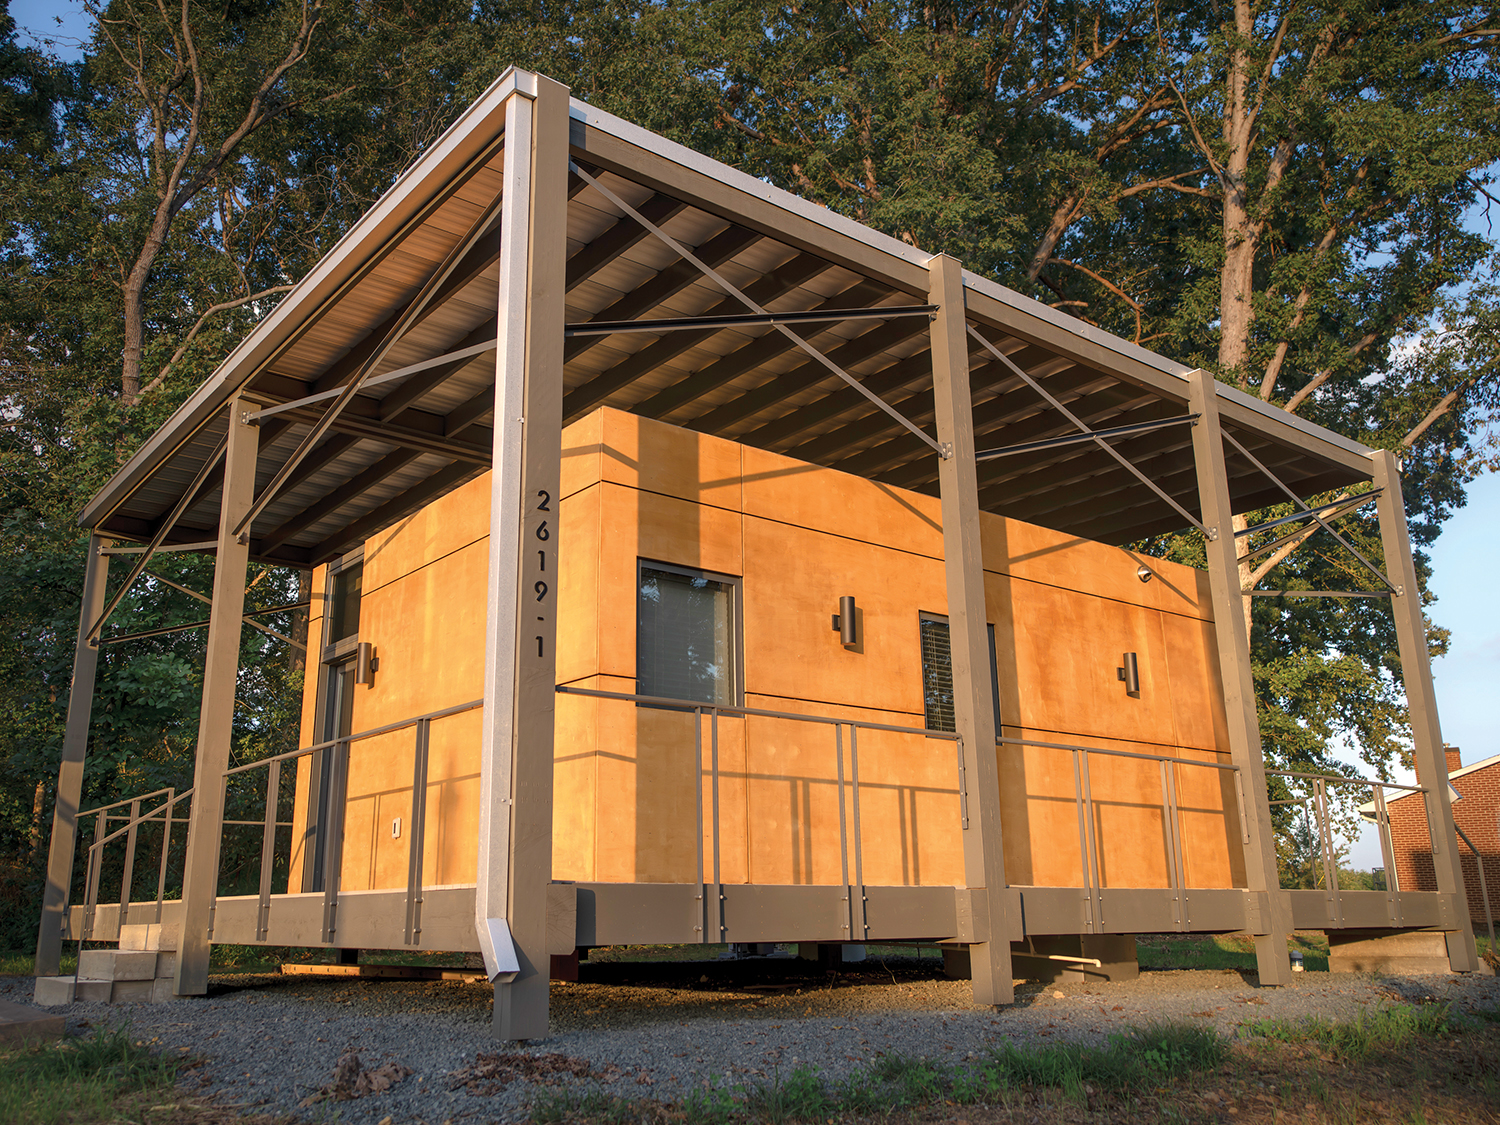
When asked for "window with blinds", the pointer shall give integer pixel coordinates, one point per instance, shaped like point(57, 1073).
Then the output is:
point(685, 643)
point(937, 674)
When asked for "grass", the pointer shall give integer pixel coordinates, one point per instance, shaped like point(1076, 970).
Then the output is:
point(1400, 1065)
point(1223, 951)
point(1139, 1059)
point(1384, 1029)
point(79, 1079)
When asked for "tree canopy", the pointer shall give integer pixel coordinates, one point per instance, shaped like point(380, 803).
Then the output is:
point(1276, 191)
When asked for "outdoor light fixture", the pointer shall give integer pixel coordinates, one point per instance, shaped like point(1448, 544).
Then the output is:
point(846, 623)
point(366, 664)
point(1131, 674)
point(1144, 573)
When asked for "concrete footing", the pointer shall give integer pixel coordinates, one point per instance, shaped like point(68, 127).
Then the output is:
point(1387, 951)
point(1063, 957)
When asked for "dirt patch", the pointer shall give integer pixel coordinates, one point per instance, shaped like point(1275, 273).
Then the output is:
point(489, 1073)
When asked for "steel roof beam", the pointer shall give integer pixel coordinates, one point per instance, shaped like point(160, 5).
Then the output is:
point(777, 388)
point(618, 239)
point(393, 510)
point(783, 279)
point(351, 489)
point(759, 351)
point(407, 395)
point(666, 283)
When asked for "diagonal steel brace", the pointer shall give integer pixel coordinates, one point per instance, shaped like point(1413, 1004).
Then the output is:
point(1083, 427)
point(729, 287)
point(1324, 524)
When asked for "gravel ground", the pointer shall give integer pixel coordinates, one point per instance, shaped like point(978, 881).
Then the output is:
point(658, 1030)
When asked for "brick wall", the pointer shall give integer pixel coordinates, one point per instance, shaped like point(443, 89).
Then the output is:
point(1478, 814)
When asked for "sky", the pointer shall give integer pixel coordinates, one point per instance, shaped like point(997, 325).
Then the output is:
point(1464, 558)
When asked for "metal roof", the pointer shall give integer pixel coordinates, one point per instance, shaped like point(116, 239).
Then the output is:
point(408, 439)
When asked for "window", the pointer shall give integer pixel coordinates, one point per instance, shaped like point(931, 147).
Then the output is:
point(685, 635)
point(343, 599)
point(937, 674)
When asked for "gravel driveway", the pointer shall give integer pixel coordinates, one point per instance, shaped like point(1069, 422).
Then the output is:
point(658, 1030)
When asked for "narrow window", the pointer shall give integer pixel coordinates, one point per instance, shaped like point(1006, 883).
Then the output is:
point(685, 643)
point(937, 674)
point(343, 599)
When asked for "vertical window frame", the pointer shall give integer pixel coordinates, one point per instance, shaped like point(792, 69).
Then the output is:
point(736, 621)
point(923, 616)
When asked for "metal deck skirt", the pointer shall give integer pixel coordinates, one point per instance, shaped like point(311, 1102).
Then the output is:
point(668, 914)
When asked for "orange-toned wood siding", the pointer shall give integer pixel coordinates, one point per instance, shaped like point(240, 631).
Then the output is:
point(798, 536)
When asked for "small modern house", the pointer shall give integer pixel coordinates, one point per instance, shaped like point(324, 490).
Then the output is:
point(692, 564)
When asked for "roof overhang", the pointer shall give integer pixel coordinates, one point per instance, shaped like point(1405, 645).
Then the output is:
point(420, 427)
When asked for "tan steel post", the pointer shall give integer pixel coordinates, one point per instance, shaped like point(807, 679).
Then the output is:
point(1421, 704)
point(1270, 915)
point(70, 771)
point(515, 829)
point(968, 635)
point(221, 670)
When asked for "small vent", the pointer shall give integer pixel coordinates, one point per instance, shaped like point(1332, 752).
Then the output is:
point(937, 675)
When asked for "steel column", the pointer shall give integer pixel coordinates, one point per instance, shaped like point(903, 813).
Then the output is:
point(973, 707)
point(221, 669)
point(1421, 704)
point(70, 770)
point(1271, 924)
point(515, 827)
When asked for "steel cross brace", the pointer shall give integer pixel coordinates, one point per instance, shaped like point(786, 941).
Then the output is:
point(167, 524)
point(1324, 524)
point(482, 227)
point(723, 283)
point(1084, 429)
point(209, 601)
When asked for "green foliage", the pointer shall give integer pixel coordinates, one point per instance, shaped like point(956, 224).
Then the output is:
point(1385, 1029)
point(79, 1079)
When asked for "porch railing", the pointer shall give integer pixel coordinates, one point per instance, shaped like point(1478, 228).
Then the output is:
point(1316, 798)
point(1089, 846)
point(333, 809)
point(851, 835)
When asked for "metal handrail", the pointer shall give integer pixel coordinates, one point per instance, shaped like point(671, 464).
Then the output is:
point(726, 709)
point(1088, 833)
point(1328, 855)
point(711, 894)
point(1227, 766)
point(358, 737)
point(94, 855)
point(138, 797)
point(334, 830)
point(1347, 780)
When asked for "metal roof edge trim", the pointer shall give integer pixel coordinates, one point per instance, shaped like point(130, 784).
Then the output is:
point(732, 177)
point(1349, 452)
point(404, 197)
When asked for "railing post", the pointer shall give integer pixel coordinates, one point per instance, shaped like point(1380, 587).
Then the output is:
point(860, 924)
point(94, 870)
point(60, 850)
point(418, 830)
point(1096, 869)
point(716, 901)
point(838, 747)
point(963, 564)
point(166, 844)
point(1421, 703)
point(125, 879)
point(333, 850)
point(268, 850)
point(1387, 855)
point(1271, 923)
point(200, 877)
point(1083, 842)
point(514, 862)
point(702, 926)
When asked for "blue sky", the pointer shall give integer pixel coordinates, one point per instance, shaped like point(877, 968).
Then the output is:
point(1464, 559)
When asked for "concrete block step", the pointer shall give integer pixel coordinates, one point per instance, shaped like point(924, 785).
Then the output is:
point(20, 1024)
point(54, 991)
point(149, 935)
point(117, 964)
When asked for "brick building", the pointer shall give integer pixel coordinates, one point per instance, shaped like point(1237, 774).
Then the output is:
point(1476, 812)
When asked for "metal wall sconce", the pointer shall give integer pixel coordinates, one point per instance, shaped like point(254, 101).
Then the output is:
point(366, 664)
point(846, 623)
point(1144, 573)
point(1131, 674)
